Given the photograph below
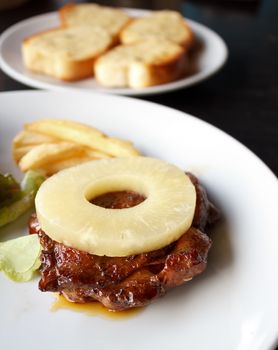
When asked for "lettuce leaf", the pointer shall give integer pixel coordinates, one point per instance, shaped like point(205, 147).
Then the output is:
point(9, 190)
point(31, 182)
point(16, 200)
point(20, 257)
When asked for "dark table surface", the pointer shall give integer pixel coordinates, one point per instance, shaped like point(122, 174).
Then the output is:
point(242, 99)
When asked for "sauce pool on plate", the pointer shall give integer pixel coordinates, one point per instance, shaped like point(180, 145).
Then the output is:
point(93, 309)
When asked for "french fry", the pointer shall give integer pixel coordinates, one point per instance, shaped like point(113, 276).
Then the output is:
point(95, 154)
point(27, 138)
point(52, 168)
point(89, 154)
point(83, 135)
point(19, 152)
point(42, 155)
point(52, 145)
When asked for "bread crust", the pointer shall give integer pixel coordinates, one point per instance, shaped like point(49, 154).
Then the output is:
point(188, 42)
point(62, 13)
point(166, 72)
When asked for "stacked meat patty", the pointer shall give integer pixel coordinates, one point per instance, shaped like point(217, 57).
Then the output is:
point(125, 282)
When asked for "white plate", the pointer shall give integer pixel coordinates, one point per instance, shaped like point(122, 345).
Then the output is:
point(233, 305)
point(208, 58)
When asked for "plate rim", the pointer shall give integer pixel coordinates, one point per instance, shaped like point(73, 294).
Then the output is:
point(158, 89)
point(182, 114)
point(272, 339)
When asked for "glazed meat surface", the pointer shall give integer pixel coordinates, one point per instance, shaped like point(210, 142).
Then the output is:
point(125, 282)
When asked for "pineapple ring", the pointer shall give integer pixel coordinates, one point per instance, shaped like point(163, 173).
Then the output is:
point(66, 215)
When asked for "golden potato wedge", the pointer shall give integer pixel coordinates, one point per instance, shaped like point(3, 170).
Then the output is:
point(42, 155)
point(84, 135)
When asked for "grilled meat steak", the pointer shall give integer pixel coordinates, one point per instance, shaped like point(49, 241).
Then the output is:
point(125, 282)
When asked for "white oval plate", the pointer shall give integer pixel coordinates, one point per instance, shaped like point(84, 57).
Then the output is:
point(232, 305)
point(208, 58)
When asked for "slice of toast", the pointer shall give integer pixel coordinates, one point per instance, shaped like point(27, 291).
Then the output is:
point(142, 64)
point(161, 24)
point(109, 18)
point(66, 53)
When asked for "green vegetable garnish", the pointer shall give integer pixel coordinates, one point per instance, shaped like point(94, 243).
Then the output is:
point(16, 200)
point(31, 182)
point(20, 257)
point(9, 190)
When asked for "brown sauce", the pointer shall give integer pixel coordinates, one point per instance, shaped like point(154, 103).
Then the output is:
point(95, 309)
point(118, 200)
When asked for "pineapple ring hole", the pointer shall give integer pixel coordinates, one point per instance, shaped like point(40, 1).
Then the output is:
point(117, 192)
point(118, 199)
